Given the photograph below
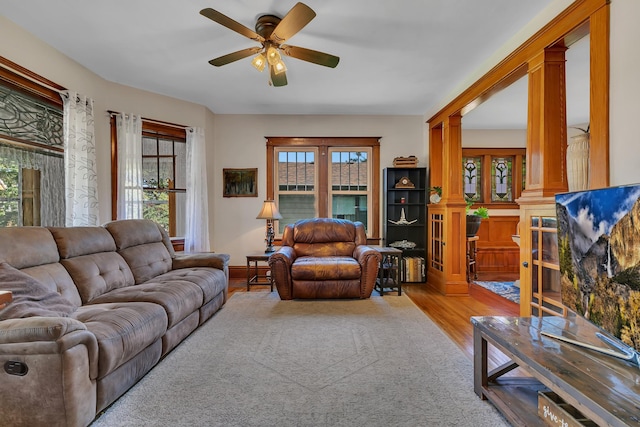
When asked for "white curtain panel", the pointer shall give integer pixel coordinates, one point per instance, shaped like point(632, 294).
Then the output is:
point(129, 135)
point(197, 227)
point(81, 182)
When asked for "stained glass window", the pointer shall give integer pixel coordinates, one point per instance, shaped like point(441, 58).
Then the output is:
point(493, 175)
point(502, 179)
point(472, 172)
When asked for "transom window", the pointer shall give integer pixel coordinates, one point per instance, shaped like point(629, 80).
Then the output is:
point(318, 177)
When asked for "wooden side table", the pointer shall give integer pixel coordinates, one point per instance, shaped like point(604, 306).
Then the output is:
point(389, 270)
point(472, 252)
point(253, 274)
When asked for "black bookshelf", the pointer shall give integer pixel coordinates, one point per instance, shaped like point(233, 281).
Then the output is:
point(410, 198)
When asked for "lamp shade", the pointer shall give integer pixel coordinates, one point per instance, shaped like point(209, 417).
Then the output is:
point(273, 56)
point(279, 67)
point(269, 211)
point(259, 61)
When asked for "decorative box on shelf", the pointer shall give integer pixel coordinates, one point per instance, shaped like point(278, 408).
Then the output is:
point(405, 162)
point(556, 412)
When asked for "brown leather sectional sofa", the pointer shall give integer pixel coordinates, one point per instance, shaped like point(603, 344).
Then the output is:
point(94, 309)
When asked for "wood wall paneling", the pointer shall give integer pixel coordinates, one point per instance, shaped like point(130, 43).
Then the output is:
point(497, 252)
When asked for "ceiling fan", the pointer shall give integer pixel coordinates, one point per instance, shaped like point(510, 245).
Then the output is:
point(271, 31)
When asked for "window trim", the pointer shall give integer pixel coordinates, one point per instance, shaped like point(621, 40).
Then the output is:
point(323, 144)
point(29, 82)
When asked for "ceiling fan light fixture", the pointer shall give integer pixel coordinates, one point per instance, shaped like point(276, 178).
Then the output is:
point(273, 55)
point(259, 62)
point(270, 32)
point(279, 67)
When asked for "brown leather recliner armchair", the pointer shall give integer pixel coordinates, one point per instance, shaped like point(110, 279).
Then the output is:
point(324, 258)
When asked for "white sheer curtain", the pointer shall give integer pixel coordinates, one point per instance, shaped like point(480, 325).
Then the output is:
point(197, 227)
point(129, 135)
point(81, 182)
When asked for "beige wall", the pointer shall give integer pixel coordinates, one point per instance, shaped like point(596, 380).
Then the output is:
point(624, 93)
point(494, 138)
point(240, 143)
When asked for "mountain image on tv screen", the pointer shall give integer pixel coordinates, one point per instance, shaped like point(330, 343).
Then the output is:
point(599, 253)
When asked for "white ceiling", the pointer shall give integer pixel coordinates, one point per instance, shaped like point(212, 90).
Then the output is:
point(396, 58)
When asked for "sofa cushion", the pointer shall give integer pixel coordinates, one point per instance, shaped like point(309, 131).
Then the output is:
point(34, 251)
point(27, 246)
point(30, 297)
point(325, 268)
point(147, 261)
point(97, 274)
point(89, 255)
point(133, 232)
point(56, 278)
point(122, 330)
point(178, 298)
point(166, 240)
point(321, 237)
point(211, 280)
point(76, 241)
point(142, 245)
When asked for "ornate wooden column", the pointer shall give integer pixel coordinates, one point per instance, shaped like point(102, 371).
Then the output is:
point(546, 171)
point(546, 125)
point(447, 219)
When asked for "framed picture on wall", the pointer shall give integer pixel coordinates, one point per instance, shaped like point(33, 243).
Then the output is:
point(240, 182)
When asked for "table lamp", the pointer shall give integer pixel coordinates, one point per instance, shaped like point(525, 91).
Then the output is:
point(269, 212)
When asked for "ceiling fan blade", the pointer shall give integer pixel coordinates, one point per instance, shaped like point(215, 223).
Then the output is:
point(295, 20)
point(277, 79)
point(309, 55)
point(224, 20)
point(234, 56)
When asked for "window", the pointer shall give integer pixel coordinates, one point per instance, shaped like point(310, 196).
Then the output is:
point(31, 149)
point(493, 175)
point(164, 176)
point(325, 177)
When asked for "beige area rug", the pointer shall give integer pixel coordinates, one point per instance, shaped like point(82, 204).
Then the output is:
point(261, 361)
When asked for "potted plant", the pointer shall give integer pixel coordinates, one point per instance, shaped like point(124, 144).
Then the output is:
point(474, 218)
point(436, 194)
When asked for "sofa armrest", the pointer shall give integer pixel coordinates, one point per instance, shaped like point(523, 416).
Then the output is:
point(369, 260)
point(362, 253)
point(280, 263)
point(202, 259)
point(46, 335)
point(37, 328)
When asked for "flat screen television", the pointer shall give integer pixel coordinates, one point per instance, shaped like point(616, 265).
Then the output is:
point(599, 254)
